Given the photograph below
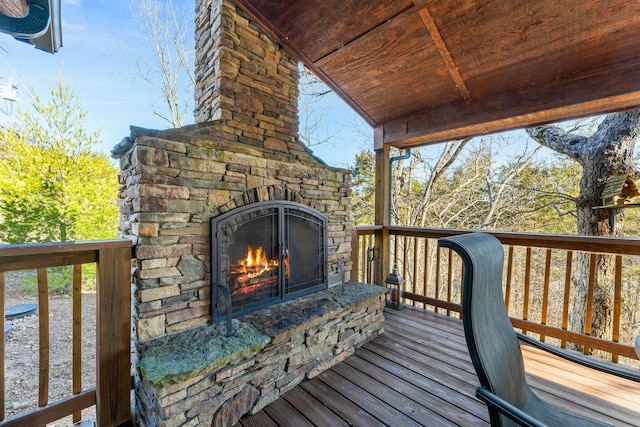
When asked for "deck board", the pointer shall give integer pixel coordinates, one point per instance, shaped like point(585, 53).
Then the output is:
point(418, 373)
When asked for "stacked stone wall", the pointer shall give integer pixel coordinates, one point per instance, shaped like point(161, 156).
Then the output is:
point(244, 78)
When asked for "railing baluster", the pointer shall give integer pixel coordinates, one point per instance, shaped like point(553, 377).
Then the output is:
point(426, 268)
point(545, 290)
point(449, 278)
point(363, 259)
point(2, 386)
point(43, 318)
point(590, 294)
point(566, 296)
point(461, 284)
point(396, 243)
point(77, 335)
point(405, 257)
point(507, 291)
point(617, 297)
point(527, 286)
point(415, 267)
point(437, 284)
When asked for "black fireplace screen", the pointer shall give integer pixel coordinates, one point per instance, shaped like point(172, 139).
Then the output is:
point(266, 253)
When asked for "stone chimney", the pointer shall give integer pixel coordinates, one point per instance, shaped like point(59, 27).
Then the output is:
point(244, 78)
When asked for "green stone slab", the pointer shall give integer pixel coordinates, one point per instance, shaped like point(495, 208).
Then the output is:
point(284, 320)
point(199, 351)
point(354, 292)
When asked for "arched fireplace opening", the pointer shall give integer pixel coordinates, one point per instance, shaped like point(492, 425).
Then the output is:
point(266, 253)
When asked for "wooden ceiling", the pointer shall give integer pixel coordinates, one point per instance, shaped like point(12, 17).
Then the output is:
point(433, 70)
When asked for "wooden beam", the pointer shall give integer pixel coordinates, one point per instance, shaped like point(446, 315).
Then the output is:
point(593, 92)
point(444, 53)
point(43, 337)
point(53, 411)
point(382, 200)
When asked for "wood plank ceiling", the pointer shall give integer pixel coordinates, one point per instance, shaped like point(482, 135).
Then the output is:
point(427, 71)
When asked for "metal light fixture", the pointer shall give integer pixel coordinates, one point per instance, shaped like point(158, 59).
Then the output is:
point(394, 283)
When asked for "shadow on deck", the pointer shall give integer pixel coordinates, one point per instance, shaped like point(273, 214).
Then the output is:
point(418, 373)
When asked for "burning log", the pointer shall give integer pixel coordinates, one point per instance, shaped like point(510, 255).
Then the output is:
point(252, 272)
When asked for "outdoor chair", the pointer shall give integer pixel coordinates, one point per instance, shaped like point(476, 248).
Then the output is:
point(493, 343)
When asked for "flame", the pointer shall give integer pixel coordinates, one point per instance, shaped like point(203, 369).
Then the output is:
point(256, 263)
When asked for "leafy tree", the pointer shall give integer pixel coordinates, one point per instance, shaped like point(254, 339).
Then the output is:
point(53, 187)
point(364, 188)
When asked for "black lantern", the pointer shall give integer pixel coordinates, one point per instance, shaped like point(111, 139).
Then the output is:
point(393, 283)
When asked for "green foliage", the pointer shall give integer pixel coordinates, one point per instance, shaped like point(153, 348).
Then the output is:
point(53, 187)
point(59, 279)
point(363, 185)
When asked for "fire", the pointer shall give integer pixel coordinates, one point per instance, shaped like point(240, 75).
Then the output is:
point(256, 263)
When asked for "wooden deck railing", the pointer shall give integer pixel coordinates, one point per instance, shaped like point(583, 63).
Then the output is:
point(537, 280)
point(113, 329)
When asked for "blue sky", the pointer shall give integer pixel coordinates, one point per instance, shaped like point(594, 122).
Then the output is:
point(100, 40)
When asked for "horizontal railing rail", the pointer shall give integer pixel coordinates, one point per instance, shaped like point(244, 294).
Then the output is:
point(537, 282)
point(113, 329)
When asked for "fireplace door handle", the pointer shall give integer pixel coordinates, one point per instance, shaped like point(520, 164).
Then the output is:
point(227, 299)
point(341, 269)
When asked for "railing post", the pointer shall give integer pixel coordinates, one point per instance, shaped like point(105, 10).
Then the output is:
point(382, 201)
point(355, 255)
point(2, 387)
point(113, 340)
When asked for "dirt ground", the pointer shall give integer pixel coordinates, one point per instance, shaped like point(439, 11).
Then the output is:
point(21, 350)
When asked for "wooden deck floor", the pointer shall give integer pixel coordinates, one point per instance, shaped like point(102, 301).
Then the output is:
point(418, 373)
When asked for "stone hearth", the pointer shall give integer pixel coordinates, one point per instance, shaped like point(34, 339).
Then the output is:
point(203, 376)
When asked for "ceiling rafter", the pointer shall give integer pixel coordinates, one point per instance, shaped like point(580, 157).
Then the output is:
point(428, 21)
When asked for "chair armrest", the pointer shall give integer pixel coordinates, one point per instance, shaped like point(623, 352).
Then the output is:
point(619, 371)
point(506, 408)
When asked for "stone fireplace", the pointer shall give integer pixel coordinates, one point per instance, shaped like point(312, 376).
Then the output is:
point(236, 201)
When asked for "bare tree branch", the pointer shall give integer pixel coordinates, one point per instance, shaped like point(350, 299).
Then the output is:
point(521, 164)
point(168, 66)
point(557, 139)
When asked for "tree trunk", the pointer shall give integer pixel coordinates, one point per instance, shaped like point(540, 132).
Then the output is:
point(606, 153)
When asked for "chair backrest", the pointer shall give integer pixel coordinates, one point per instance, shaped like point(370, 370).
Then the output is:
point(492, 342)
